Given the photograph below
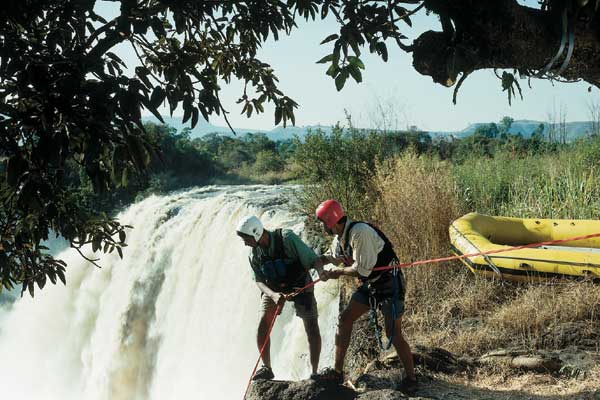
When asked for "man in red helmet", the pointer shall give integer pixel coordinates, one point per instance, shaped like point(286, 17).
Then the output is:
point(363, 247)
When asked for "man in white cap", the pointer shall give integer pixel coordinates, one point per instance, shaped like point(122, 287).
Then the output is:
point(280, 261)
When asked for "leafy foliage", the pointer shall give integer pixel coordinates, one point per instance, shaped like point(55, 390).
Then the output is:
point(70, 110)
point(340, 165)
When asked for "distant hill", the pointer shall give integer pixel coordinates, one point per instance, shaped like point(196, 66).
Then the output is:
point(524, 127)
point(575, 129)
point(204, 128)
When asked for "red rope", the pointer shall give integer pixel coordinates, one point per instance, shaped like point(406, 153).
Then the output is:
point(451, 258)
point(410, 264)
point(262, 348)
point(513, 248)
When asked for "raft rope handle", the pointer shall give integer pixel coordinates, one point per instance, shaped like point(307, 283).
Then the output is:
point(485, 256)
point(410, 264)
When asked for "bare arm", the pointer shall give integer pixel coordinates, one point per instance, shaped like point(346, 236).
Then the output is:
point(275, 296)
point(346, 271)
point(324, 260)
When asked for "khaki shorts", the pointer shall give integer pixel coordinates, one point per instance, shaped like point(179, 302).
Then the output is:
point(305, 305)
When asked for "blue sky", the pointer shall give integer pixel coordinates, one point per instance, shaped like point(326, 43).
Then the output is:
point(392, 93)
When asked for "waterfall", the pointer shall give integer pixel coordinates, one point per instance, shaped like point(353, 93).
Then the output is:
point(176, 318)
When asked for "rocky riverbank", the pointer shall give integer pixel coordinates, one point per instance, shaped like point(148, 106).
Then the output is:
point(503, 374)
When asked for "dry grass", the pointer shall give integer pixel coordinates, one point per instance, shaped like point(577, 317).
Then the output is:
point(543, 315)
point(530, 386)
point(447, 305)
point(417, 202)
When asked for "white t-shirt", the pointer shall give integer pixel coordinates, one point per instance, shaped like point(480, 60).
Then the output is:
point(366, 245)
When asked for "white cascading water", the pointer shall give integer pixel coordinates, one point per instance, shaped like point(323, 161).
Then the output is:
point(175, 319)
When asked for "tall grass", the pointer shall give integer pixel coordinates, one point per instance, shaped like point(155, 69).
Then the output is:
point(416, 204)
point(448, 306)
point(565, 184)
point(414, 199)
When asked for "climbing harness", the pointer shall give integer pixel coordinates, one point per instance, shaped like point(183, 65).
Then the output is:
point(373, 312)
point(485, 256)
point(278, 270)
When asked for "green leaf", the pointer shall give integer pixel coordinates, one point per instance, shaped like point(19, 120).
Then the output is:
point(354, 46)
point(330, 38)
point(355, 72)
point(41, 281)
point(340, 80)
point(157, 97)
point(356, 61)
point(15, 168)
point(336, 52)
point(333, 69)
point(151, 108)
point(187, 112)
point(325, 59)
point(203, 112)
point(278, 115)
point(52, 276)
point(382, 50)
point(61, 275)
point(111, 69)
point(138, 152)
point(324, 10)
point(142, 73)
point(195, 114)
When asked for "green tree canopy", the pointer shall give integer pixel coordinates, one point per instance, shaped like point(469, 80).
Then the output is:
point(66, 97)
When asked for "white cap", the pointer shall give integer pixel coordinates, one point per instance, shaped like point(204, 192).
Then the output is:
point(251, 226)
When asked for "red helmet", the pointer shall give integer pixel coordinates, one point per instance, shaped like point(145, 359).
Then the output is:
point(330, 212)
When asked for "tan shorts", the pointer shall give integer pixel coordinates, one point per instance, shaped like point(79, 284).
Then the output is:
point(305, 305)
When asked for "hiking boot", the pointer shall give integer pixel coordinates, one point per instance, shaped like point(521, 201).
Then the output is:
point(330, 375)
point(314, 376)
point(408, 386)
point(263, 373)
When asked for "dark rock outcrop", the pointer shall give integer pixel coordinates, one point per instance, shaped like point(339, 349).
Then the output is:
point(301, 390)
point(381, 378)
point(383, 394)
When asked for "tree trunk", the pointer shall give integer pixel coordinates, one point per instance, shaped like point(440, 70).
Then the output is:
point(503, 34)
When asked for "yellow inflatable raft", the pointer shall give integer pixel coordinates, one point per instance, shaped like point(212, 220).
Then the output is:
point(474, 233)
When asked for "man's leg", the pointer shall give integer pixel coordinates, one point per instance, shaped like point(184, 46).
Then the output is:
point(401, 345)
point(268, 308)
point(353, 311)
point(311, 326)
point(305, 305)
